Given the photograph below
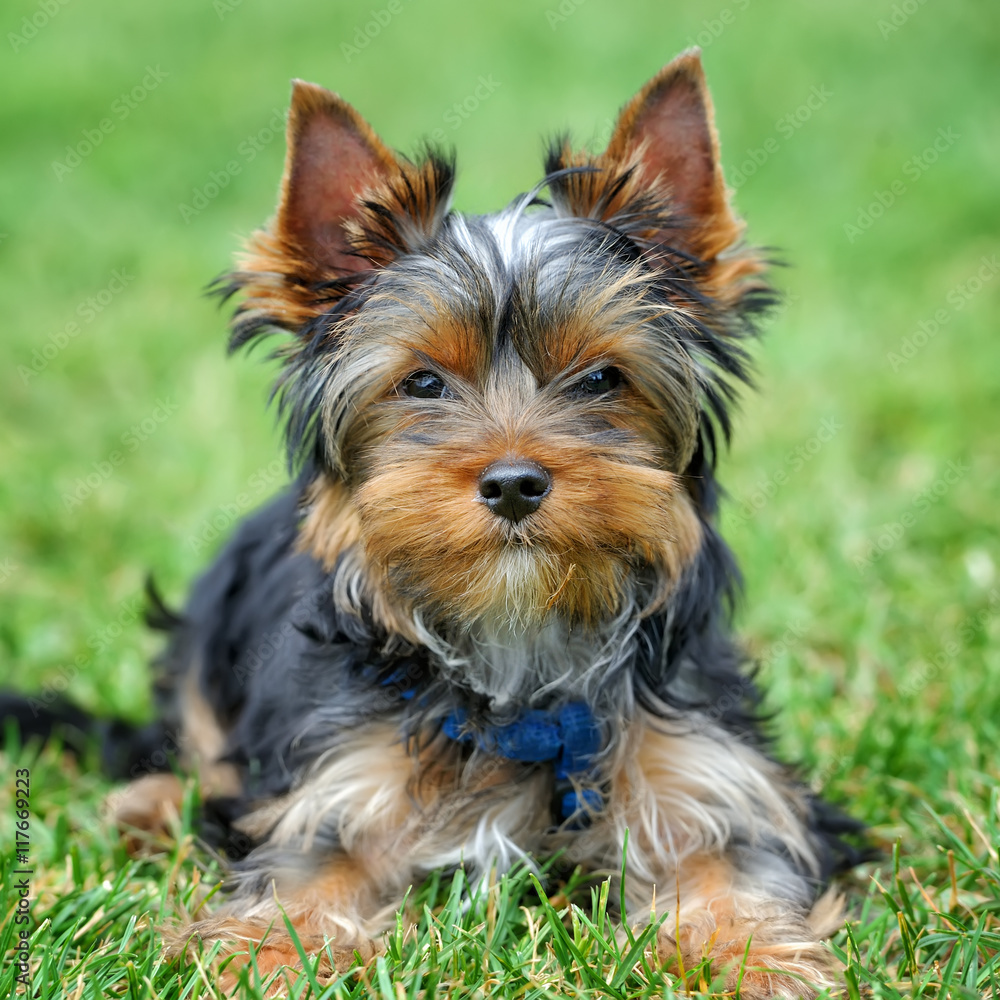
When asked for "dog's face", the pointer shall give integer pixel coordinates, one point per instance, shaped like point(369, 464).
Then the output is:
point(511, 415)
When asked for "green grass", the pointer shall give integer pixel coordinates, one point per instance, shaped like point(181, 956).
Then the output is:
point(865, 474)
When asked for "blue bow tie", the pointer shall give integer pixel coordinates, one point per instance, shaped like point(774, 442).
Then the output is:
point(569, 736)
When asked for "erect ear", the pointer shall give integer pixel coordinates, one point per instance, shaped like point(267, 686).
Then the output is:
point(665, 140)
point(347, 206)
point(333, 158)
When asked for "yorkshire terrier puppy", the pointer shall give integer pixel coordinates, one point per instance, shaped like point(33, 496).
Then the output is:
point(490, 618)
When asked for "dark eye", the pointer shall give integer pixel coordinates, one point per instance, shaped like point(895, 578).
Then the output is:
point(601, 381)
point(426, 385)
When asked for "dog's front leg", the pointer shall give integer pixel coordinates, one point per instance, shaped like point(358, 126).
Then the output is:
point(372, 818)
point(719, 837)
point(335, 903)
point(331, 864)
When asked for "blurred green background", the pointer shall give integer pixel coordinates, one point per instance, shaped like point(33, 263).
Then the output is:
point(863, 140)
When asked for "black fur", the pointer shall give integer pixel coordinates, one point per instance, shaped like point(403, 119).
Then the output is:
point(124, 750)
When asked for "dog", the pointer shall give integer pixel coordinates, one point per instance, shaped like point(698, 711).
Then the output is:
point(490, 619)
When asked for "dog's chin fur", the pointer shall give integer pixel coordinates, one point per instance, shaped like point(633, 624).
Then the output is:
point(596, 337)
point(526, 648)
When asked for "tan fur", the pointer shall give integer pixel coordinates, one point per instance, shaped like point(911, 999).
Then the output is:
point(827, 915)
point(398, 813)
point(610, 325)
point(203, 743)
point(417, 537)
point(275, 952)
point(685, 791)
point(440, 547)
point(152, 802)
point(670, 126)
point(331, 523)
point(680, 795)
point(435, 544)
point(765, 946)
point(677, 550)
point(146, 810)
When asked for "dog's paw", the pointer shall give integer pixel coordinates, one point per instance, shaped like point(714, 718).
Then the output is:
point(247, 946)
point(145, 811)
point(277, 960)
point(763, 977)
point(759, 958)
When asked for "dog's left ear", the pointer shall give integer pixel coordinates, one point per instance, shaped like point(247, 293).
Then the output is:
point(665, 142)
point(348, 206)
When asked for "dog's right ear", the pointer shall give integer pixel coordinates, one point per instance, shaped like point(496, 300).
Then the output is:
point(347, 207)
point(333, 158)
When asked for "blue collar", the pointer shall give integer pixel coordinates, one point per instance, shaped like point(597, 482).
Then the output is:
point(568, 736)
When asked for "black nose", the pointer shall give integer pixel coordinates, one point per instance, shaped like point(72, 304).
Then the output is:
point(514, 489)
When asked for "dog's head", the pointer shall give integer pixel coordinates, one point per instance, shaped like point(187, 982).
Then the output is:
point(511, 417)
